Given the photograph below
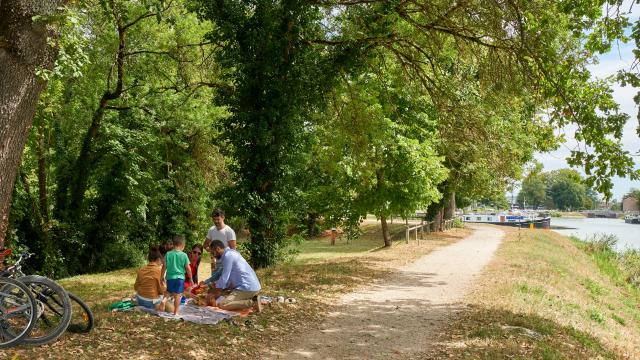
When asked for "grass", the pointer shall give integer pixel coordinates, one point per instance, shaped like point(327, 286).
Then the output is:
point(568, 214)
point(315, 279)
point(577, 305)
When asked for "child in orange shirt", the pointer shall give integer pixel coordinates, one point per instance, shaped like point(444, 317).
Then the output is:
point(149, 285)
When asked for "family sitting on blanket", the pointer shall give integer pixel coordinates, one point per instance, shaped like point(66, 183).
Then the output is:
point(233, 286)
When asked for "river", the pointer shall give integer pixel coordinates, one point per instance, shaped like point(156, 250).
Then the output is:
point(628, 234)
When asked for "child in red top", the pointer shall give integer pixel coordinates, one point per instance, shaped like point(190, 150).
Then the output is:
point(194, 262)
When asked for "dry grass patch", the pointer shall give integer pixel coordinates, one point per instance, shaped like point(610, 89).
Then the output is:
point(541, 281)
point(316, 278)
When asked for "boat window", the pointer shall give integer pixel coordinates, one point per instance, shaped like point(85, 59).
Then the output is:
point(478, 218)
point(468, 218)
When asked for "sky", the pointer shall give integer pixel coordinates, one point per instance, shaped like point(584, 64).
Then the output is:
point(619, 58)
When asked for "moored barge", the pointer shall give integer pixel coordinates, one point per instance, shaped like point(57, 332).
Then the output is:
point(520, 219)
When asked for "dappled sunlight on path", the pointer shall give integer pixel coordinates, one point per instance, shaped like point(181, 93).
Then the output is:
point(397, 317)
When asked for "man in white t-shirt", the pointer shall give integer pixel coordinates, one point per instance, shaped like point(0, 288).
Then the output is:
point(219, 231)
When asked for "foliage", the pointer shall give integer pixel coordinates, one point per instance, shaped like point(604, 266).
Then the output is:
point(566, 194)
point(324, 111)
point(533, 191)
point(563, 189)
point(287, 56)
point(621, 266)
point(630, 263)
point(123, 156)
point(377, 148)
point(600, 243)
point(278, 79)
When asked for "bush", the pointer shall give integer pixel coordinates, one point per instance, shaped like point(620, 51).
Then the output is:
point(458, 223)
point(626, 264)
point(120, 255)
point(555, 213)
point(286, 251)
point(630, 263)
point(600, 243)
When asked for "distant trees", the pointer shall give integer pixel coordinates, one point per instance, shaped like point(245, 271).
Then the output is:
point(562, 189)
point(533, 190)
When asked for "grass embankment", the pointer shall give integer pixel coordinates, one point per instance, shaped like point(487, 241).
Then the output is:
point(543, 297)
point(568, 214)
point(319, 275)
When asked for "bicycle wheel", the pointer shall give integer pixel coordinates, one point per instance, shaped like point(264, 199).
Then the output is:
point(17, 312)
point(54, 309)
point(81, 315)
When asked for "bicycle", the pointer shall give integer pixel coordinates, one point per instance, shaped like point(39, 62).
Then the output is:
point(82, 318)
point(18, 312)
point(53, 305)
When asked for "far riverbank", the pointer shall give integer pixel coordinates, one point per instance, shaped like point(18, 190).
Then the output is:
point(583, 228)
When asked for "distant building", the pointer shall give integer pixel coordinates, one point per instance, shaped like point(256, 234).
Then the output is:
point(630, 203)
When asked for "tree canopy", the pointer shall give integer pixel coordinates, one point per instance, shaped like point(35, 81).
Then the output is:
point(289, 112)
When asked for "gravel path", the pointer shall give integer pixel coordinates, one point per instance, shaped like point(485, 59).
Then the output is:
point(395, 318)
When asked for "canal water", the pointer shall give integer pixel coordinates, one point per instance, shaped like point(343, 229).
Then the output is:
point(628, 234)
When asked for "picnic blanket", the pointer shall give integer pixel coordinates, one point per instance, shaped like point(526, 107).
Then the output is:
point(207, 315)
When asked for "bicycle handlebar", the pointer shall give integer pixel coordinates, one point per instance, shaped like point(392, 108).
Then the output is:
point(17, 265)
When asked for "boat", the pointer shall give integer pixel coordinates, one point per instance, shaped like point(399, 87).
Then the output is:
point(632, 218)
point(511, 218)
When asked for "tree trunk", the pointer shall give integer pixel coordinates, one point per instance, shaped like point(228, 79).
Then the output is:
point(438, 219)
point(450, 207)
point(23, 49)
point(385, 231)
point(312, 230)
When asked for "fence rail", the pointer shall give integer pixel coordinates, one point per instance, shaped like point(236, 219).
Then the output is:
point(428, 225)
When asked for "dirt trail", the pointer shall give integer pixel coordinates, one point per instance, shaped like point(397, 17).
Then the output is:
point(397, 317)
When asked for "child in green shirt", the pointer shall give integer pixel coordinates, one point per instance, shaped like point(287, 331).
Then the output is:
point(177, 265)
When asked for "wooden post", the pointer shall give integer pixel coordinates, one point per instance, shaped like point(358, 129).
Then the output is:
point(407, 234)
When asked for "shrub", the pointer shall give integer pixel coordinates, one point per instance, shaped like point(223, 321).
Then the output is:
point(458, 223)
point(600, 243)
point(286, 251)
point(120, 255)
point(630, 263)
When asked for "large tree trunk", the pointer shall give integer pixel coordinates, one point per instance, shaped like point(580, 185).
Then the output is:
point(450, 206)
point(385, 231)
point(23, 49)
point(438, 218)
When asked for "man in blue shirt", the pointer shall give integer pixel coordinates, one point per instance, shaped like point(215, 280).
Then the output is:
point(237, 277)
